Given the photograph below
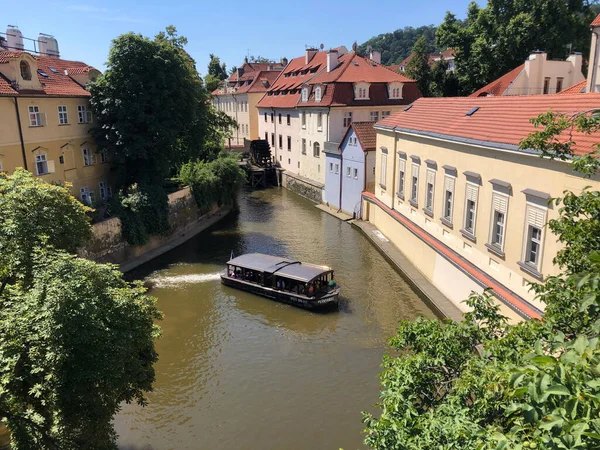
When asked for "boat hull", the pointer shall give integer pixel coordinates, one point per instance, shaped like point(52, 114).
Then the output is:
point(326, 301)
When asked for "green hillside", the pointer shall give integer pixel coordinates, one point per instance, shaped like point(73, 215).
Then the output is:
point(396, 46)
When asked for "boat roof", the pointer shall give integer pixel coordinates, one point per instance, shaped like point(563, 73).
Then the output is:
point(288, 268)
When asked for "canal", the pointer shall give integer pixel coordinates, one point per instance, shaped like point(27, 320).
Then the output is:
point(242, 372)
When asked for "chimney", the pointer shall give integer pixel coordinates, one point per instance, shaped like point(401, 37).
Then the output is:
point(14, 39)
point(332, 60)
point(310, 54)
point(284, 61)
point(47, 45)
point(576, 60)
point(375, 56)
point(240, 72)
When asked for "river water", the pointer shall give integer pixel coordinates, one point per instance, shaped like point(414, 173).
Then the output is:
point(241, 372)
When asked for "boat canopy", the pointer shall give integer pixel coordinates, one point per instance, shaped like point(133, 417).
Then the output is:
point(287, 268)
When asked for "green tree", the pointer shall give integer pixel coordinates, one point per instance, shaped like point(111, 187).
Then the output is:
point(485, 384)
point(217, 69)
point(34, 214)
point(418, 67)
point(444, 82)
point(496, 39)
point(396, 46)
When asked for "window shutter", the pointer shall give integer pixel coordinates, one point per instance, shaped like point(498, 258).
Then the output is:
point(402, 165)
point(472, 192)
point(431, 177)
point(536, 216)
point(500, 203)
point(449, 184)
point(415, 170)
point(51, 166)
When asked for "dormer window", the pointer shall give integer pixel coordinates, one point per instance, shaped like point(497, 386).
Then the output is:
point(25, 70)
point(361, 91)
point(395, 90)
point(304, 94)
point(318, 94)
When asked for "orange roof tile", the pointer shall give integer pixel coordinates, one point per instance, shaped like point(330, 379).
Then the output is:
point(596, 22)
point(503, 121)
point(366, 134)
point(578, 88)
point(499, 86)
point(56, 83)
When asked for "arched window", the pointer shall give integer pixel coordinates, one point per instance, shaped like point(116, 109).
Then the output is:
point(316, 150)
point(318, 94)
point(25, 70)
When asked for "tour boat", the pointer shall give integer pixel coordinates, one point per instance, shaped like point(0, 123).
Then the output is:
point(305, 285)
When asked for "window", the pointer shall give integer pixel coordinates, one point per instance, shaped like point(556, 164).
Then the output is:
point(88, 157)
point(103, 156)
point(534, 245)
point(272, 139)
point(289, 143)
point(265, 117)
point(546, 85)
point(356, 174)
point(25, 70)
point(318, 94)
point(430, 190)
point(266, 136)
point(383, 173)
point(348, 171)
point(303, 119)
point(347, 119)
point(330, 167)
point(337, 169)
point(414, 185)
point(401, 176)
point(559, 84)
point(105, 191)
point(384, 114)
point(35, 116)
point(470, 209)
point(374, 116)
point(535, 219)
point(448, 199)
point(498, 220)
point(304, 146)
point(320, 122)
point(272, 117)
point(84, 194)
point(83, 116)
point(41, 164)
point(316, 150)
point(304, 94)
point(62, 115)
point(279, 118)
point(280, 141)
point(289, 119)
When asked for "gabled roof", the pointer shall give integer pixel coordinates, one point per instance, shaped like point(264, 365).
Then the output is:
point(336, 84)
point(256, 78)
point(578, 88)
point(366, 134)
point(499, 86)
point(596, 22)
point(499, 122)
point(56, 83)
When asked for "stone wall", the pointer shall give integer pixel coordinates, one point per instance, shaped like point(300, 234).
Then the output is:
point(107, 244)
point(303, 186)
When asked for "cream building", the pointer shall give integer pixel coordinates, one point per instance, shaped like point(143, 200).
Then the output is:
point(466, 206)
point(237, 97)
point(45, 118)
point(308, 109)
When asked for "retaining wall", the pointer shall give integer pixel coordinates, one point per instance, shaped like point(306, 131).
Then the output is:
point(309, 189)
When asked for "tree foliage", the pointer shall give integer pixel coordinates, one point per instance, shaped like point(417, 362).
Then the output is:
point(486, 384)
point(77, 340)
point(396, 46)
point(418, 67)
point(497, 38)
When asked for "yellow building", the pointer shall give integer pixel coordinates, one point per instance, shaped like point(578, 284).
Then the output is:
point(238, 95)
point(45, 121)
point(467, 207)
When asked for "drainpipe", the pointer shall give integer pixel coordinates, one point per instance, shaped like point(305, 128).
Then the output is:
point(20, 133)
point(341, 178)
point(274, 133)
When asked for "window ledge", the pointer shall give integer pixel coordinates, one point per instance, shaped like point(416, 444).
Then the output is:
point(413, 203)
point(63, 124)
point(467, 234)
point(36, 126)
point(319, 128)
point(382, 186)
point(446, 222)
point(531, 270)
point(400, 195)
point(494, 249)
point(428, 212)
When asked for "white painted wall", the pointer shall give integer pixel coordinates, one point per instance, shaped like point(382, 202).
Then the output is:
point(288, 159)
point(531, 80)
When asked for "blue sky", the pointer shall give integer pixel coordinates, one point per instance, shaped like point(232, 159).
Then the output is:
point(84, 29)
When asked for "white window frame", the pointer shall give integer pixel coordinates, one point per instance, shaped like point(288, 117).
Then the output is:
point(414, 183)
point(303, 146)
point(304, 120)
point(384, 114)
point(374, 116)
point(330, 167)
point(347, 119)
point(449, 188)
point(35, 116)
point(401, 176)
point(83, 115)
point(355, 173)
point(63, 116)
point(84, 195)
point(320, 121)
point(304, 95)
point(316, 150)
point(383, 172)
point(89, 158)
point(499, 206)
point(471, 195)
point(535, 217)
point(348, 172)
point(42, 159)
point(430, 196)
point(337, 169)
point(318, 94)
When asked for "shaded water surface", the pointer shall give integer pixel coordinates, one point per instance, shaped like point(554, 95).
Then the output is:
point(242, 372)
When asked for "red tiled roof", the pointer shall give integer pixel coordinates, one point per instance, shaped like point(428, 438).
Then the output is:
point(596, 22)
point(394, 67)
point(499, 120)
point(5, 88)
point(255, 67)
point(55, 84)
point(578, 88)
point(366, 134)
point(499, 86)
point(353, 68)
